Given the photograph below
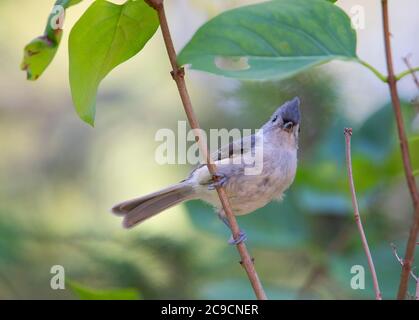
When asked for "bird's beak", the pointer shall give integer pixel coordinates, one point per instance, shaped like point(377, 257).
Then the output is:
point(291, 111)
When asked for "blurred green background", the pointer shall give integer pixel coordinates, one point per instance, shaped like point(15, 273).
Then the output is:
point(59, 177)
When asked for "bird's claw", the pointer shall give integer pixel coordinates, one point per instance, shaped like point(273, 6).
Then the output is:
point(221, 181)
point(241, 238)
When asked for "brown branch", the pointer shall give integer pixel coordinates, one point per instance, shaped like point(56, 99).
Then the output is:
point(417, 290)
point(404, 146)
point(394, 248)
point(416, 278)
point(178, 75)
point(348, 134)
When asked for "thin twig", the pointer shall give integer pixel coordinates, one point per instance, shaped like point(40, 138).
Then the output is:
point(178, 75)
point(412, 71)
point(404, 146)
point(348, 134)
point(393, 246)
point(417, 290)
point(416, 278)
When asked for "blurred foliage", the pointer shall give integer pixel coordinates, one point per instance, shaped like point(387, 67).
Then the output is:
point(110, 294)
point(58, 179)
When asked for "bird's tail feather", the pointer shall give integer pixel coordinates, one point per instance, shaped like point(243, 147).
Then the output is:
point(137, 210)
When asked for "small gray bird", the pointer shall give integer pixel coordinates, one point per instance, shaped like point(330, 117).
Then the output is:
point(276, 143)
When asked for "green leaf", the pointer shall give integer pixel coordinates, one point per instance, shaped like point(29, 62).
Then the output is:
point(105, 36)
point(85, 293)
point(39, 53)
point(273, 39)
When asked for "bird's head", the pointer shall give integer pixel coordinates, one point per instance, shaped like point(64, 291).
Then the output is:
point(284, 124)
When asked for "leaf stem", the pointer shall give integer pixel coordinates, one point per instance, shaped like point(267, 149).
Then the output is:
point(406, 72)
point(178, 75)
point(348, 134)
point(404, 146)
point(374, 70)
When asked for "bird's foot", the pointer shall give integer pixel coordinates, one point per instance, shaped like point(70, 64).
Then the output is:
point(241, 238)
point(221, 180)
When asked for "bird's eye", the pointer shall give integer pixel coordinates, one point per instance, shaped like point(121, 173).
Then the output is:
point(275, 118)
point(288, 125)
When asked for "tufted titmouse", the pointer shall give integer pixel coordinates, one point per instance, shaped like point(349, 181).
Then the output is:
point(276, 143)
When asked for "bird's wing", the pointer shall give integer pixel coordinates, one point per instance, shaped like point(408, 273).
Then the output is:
point(237, 147)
